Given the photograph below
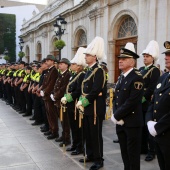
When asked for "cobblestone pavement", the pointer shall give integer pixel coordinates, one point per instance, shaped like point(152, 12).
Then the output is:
point(24, 147)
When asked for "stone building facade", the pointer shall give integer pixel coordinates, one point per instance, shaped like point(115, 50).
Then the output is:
point(117, 21)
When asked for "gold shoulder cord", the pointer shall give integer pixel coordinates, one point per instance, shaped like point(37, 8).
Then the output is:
point(84, 94)
point(148, 73)
point(75, 78)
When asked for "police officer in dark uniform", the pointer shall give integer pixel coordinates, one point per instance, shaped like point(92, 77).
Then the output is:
point(150, 75)
point(158, 115)
point(127, 109)
point(92, 103)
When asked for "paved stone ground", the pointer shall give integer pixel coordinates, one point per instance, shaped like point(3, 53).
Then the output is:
point(24, 147)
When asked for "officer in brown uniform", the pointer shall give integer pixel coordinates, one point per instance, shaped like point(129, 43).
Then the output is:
point(58, 93)
point(47, 88)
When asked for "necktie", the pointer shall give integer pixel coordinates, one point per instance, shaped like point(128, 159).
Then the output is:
point(121, 78)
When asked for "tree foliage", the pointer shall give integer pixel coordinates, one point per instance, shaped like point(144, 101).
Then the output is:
point(21, 54)
point(8, 35)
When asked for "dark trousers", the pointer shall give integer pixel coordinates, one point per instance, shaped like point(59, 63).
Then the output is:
point(9, 93)
point(65, 124)
point(38, 110)
point(51, 116)
point(163, 155)
point(130, 145)
point(44, 113)
point(4, 91)
point(93, 138)
point(16, 96)
point(22, 100)
point(28, 98)
point(76, 132)
point(147, 145)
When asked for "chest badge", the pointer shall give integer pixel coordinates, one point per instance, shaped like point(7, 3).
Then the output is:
point(158, 86)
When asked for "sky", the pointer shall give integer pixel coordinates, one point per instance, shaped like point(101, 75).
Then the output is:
point(21, 12)
point(43, 2)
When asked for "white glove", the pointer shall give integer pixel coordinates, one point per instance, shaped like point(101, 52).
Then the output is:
point(113, 119)
point(52, 97)
point(151, 128)
point(79, 103)
point(120, 122)
point(42, 93)
point(63, 100)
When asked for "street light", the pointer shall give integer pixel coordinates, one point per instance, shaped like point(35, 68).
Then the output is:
point(59, 28)
point(21, 44)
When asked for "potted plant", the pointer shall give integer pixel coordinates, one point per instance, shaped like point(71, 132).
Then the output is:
point(7, 58)
point(59, 44)
point(21, 54)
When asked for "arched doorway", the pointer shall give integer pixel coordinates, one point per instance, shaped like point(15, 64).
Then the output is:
point(27, 55)
point(39, 52)
point(127, 32)
point(80, 40)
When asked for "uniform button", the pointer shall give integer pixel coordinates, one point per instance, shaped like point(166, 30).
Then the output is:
point(160, 94)
point(133, 112)
point(117, 97)
point(154, 111)
point(154, 120)
point(117, 90)
point(156, 102)
point(116, 103)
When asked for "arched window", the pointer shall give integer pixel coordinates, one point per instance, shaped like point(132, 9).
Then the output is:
point(82, 41)
point(127, 28)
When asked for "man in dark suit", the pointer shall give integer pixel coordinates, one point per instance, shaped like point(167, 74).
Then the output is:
point(47, 87)
point(92, 102)
point(127, 110)
point(158, 115)
point(150, 75)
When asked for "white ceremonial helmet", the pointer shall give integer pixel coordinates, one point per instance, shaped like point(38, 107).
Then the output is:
point(96, 48)
point(152, 49)
point(79, 57)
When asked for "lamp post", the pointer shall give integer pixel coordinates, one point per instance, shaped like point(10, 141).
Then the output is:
point(59, 28)
point(6, 52)
point(21, 45)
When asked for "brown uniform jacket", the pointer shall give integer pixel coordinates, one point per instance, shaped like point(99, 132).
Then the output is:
point(49, 81)
point(60, 87)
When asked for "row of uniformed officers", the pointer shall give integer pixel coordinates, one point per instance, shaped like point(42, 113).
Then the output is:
point(63, 92)
point(77, 99)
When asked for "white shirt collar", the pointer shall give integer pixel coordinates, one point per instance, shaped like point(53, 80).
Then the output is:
point(125, 74)
point(92, 65)
point(63, 71)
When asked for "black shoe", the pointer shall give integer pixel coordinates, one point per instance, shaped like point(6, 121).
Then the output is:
point(96, 166)
point(149, 157)
point(116, 141)
point(36, 123)
point(52, 136)
point(32, 118)
point(76, 152)
point(44, 130)
point(25, 115)
point(47, 133)
point(66, 143)
point(60, 139)
point(71, 149)
point(22, 111)
point(43, 126)
point(86, 160)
